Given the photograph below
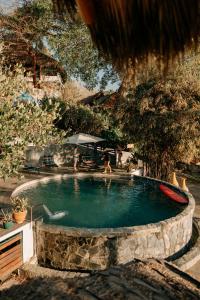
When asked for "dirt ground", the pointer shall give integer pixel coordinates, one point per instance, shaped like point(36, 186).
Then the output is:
point(137, 280)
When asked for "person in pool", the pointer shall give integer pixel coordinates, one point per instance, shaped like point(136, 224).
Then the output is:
point(106, 159)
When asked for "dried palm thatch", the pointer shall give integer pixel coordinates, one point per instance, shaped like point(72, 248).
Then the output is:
point(131, 31)
point(137, 280)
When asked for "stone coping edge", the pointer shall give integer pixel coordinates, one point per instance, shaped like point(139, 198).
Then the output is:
point(192, 256)
point(110, 232)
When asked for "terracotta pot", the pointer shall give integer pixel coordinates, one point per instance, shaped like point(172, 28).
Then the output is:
point(20, 216)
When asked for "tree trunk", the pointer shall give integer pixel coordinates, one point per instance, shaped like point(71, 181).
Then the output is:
point(34, 71)
point(128, 82)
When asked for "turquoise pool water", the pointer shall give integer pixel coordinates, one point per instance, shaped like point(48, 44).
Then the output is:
point(100, 203)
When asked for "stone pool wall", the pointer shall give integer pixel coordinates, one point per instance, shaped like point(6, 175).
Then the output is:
point(94, 249)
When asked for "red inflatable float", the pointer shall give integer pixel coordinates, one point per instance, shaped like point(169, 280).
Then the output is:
point(173, 195)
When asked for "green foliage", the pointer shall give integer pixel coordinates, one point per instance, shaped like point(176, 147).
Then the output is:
point(21, 123)
point(163, 118)
point(76, 118)
point(113, 134)
point(7, 216)
point(75, 50)
point(67, 42)
point(19, 204)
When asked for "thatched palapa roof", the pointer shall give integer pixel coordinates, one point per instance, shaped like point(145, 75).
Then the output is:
point(19, 51)
point(129, 31)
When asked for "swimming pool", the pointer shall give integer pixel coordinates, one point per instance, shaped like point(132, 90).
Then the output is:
point(92, 222)
point(90, 202)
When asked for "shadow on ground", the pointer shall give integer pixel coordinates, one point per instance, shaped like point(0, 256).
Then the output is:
point(137, 280)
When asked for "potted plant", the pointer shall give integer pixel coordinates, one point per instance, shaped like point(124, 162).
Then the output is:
point(7, 219)
point(20, 205)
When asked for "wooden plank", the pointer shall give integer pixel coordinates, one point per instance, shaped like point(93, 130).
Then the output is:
point(11, 267)
point(17, 247)
point(10, 241)
point(8, 259)
point(11, 258)
point(5, 273)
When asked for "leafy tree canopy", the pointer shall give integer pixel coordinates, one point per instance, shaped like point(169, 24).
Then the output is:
point(163, 118)
point(21, 123)
point(75, 118)
point(67, 42)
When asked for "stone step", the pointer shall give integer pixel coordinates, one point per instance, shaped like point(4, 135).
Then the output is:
point(192, 256)
point(33, 271)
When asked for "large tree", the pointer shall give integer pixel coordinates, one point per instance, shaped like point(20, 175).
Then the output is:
point(21, 123)
point(69, 43)
point(162, 116)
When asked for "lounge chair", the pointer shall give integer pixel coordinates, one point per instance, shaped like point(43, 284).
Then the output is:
point(48, 161)
point(32, 166)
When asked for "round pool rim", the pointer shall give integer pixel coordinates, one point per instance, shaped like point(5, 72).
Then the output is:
point(74, 231)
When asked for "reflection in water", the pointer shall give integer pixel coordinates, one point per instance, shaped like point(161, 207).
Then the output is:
point(107, 182)
point(131, 182)
point(76, 185)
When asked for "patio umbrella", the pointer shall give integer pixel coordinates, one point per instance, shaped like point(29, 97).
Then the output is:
point(82, 138)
